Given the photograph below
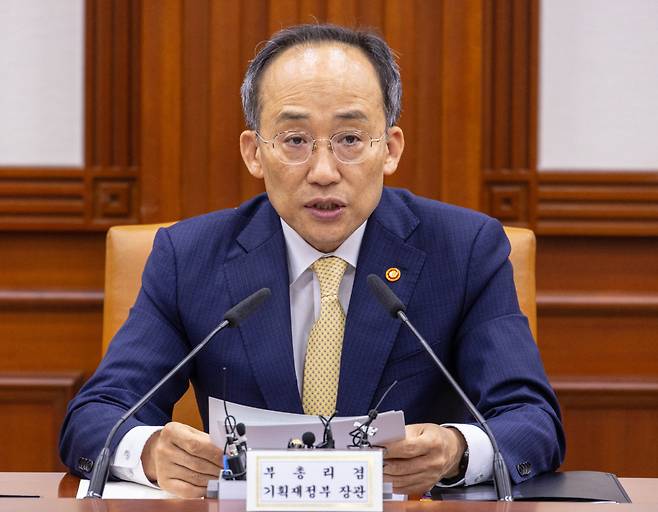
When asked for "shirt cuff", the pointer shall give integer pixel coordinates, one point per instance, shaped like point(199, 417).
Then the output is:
point(127, 460)
point(480, 457)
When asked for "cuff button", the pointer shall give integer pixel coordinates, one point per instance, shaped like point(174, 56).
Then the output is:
point(85, 465)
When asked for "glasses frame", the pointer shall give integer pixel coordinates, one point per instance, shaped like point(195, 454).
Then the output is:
point(315, 144)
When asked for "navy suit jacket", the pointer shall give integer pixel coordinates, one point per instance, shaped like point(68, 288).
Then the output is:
point(456, 281)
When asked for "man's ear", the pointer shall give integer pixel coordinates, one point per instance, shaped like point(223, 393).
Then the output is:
point(395, 147)
point(251, 153)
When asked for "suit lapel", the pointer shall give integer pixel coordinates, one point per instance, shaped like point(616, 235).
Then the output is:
point(370, 331)
point(267, 336)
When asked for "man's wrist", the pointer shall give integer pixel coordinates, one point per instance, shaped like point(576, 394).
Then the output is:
point(148, 457)
point(458, 469)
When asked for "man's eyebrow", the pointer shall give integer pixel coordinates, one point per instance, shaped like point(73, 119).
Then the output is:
point(351, 115)
point(291, 115)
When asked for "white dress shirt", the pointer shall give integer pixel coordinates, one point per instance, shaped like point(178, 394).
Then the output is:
point(304, 311)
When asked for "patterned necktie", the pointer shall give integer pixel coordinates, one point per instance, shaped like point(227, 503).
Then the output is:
point(325, 342)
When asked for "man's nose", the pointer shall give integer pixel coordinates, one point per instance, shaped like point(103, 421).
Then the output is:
point(324, 166)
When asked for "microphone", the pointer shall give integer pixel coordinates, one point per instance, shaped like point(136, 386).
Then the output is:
point(308, 438)
point(235, 454)
point(361, 432)
point(396, 309)
point(241, 429)
point(232, 318)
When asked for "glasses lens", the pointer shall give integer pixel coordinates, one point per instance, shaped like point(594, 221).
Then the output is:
point(350, 147)
point(293, 147)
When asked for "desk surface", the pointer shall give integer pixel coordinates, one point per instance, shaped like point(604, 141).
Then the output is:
point(52, 487)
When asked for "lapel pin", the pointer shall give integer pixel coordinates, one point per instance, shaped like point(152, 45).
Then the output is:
point(393, 274)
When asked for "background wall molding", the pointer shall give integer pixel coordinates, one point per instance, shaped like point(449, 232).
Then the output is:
point(597, 203)
point(51, 299)
point(577, 303)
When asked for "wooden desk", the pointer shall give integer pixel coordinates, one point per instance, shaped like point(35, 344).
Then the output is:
point(58, 489)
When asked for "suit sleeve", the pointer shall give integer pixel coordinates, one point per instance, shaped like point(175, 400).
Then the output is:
point(148, 345)
point(499, 364)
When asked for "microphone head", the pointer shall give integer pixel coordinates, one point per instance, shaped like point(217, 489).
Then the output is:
point(241, 429)
point(246, 307)
point(385, 295)
point(308, 438)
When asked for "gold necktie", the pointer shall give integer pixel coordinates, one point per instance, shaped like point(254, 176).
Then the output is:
point(325, 342)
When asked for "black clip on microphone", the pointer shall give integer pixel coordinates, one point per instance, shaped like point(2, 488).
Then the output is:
point(327, 436)
point(235, 446)
point(235, 452)
point(396, 308)
point(360, 434)
point(232, 318)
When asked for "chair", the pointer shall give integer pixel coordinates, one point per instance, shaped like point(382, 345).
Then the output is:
point(129, 246)
point(126, 251)
point(522, 257)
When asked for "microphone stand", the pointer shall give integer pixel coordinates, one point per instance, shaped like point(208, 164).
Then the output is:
point(232, 318)
point(102, 465)
point(395, 307)
point(500, 473)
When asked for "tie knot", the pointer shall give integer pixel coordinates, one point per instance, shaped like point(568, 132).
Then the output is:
point(330, 273)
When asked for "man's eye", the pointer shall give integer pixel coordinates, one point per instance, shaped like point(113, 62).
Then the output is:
point(295, 140)
point(349, 139)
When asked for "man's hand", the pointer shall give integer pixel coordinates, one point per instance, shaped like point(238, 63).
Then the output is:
point(426, 455)
point(181, 460)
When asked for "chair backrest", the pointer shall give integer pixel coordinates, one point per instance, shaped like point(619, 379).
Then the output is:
point(522, 257)
point(126, 251)
point(129, 246)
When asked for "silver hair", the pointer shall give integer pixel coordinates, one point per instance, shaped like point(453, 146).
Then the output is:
point(372, 45)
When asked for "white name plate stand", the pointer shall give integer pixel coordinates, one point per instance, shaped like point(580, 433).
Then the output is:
point(345, 480)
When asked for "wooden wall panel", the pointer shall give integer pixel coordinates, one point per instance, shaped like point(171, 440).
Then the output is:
point(611, 425)
point(32, 261)
point(509, 110)
point(195, 54)
point(161, 110)
point(597, 264)
point(32, 407)
point(57, 337)
point(599, 338)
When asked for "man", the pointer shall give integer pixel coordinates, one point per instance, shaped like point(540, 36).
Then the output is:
point(321, 103)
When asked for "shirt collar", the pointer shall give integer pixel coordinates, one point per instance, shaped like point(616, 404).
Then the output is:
point(301, 255)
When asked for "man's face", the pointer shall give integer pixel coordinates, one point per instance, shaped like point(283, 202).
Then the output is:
point(322, 90)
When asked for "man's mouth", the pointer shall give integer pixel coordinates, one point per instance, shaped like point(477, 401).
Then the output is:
point(325, 209)
point(325, 206)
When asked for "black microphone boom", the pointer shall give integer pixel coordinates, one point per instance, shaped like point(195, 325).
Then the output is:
point(232, 318)
point(396, 308)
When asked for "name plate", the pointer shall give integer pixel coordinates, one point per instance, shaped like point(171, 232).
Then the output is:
point(346, 480)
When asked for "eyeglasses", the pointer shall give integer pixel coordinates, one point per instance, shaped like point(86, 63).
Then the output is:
point(295, 147)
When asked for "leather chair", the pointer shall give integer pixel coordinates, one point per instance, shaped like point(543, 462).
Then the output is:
point(129, 246)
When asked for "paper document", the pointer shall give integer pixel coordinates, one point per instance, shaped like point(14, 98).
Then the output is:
point(126, 491)
point(273, 429)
